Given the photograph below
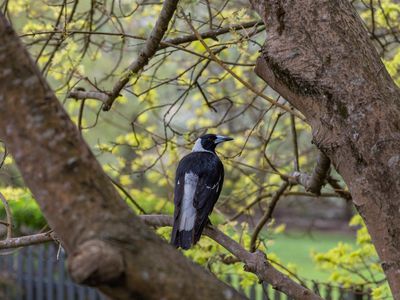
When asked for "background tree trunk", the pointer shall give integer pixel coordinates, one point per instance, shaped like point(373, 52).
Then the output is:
point(318, 55)
point(108, 246)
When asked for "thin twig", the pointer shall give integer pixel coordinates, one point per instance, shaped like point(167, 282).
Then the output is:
point(237, 77)
point(267, 215)
point(9, 216)
point(295, 143)
point(125, 192)
point(334, 183)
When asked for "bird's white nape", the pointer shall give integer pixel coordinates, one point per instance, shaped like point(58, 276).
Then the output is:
point(188, 212)
point(198, 147)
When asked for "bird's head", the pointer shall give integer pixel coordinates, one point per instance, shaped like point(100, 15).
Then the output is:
point(208, 142)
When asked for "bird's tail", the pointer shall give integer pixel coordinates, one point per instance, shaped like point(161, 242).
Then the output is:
point(182, 238)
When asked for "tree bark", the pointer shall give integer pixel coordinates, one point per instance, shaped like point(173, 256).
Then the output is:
point(318, 55)
point(108, 246)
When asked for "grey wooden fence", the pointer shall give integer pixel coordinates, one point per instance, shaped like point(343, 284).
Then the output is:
point(35, 273)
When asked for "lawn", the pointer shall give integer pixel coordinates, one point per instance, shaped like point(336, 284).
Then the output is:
point(295, 247)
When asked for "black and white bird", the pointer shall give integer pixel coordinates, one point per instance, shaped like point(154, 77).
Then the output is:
point(198, 183)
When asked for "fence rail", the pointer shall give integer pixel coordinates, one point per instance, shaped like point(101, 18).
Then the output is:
point(36, 273)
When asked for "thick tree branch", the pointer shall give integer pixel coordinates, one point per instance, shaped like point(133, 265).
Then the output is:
point(314, 183)
point(152, 44)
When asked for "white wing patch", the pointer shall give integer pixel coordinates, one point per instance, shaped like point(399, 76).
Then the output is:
point(188, 212)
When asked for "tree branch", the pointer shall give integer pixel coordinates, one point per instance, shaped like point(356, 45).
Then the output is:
point(152, 44)
point(318, 177)
point(255, 262)
point(28, 240)
point(77, 94)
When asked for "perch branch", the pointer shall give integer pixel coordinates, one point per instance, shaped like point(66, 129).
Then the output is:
point(255, 262)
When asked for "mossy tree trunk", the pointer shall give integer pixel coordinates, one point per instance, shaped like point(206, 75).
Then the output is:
point(319, 56)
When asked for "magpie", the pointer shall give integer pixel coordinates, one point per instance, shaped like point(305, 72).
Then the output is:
point(198, 183)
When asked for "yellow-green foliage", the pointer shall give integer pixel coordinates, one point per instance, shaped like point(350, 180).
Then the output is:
point(25, 211)
point(359, 265)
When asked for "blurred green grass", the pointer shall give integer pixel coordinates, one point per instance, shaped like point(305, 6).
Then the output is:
point(295, 247)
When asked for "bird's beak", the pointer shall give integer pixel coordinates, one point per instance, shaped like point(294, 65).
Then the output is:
point(221, 139)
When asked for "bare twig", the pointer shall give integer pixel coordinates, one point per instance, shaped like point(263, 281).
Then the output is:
point(318, 177)
point(334, 183)
point(248, 206)
point(234, 75)
point(211, 34)
point(256, 262)
point(267, 215)
point(9, 215)
point(125, 192)
point(295, 143)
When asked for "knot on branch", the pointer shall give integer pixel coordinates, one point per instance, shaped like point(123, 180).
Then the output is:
point(95, 262)
point(256, 262)
point(318, 177)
